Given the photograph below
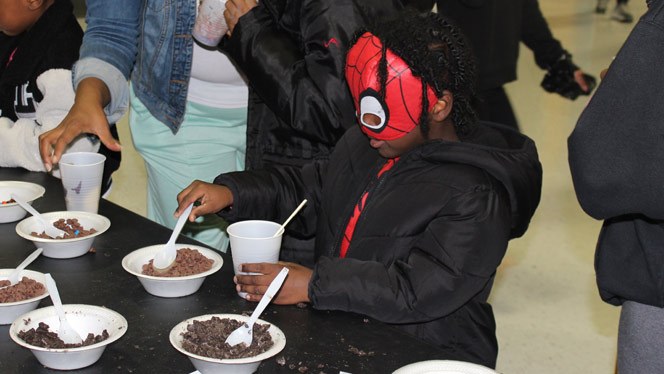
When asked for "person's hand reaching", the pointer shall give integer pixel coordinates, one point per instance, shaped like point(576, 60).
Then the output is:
point(212, 198)
point(85, 116)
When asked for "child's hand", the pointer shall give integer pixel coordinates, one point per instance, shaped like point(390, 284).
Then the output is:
point(212, 198)
point(294, 290)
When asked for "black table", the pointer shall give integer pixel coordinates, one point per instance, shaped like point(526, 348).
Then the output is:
point(323, 341)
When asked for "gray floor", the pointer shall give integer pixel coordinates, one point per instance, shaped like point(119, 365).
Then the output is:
point(550, 318)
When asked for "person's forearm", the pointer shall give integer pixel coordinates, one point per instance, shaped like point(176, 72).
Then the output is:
point(93, 91)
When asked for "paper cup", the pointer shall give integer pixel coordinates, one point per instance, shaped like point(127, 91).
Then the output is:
point(252, 242)
point(210, 25)
point(81, 179)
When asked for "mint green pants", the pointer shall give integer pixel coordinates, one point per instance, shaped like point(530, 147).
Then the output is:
point(209, 142)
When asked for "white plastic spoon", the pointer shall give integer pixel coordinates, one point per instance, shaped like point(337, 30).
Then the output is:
point(283, 226)
point(245, 333)
point(65, 331)
point(13, 276)
point(48, 227)
point(165, 258)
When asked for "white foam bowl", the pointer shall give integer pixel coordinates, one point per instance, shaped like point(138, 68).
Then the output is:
point(208, 365)
point(169, 286)
point(84, 319)
point(64, 248)
point(444, 367)
point(26, 191)
point(9, 312)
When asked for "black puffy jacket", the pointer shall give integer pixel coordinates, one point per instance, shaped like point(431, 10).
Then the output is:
point(293, 53)
point(51, 43)
point(430, 237)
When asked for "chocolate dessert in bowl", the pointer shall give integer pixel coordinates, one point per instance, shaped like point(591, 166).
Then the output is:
point(82, 228)
point(37, 331)
point(22, 297)
point(10, 211)
point(202, 339)
point(184, 277)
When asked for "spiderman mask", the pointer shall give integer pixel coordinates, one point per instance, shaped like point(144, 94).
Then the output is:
point(401, 108)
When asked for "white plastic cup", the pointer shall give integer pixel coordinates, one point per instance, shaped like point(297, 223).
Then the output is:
point(253, 242)
point(210, 25)
point(81, 174)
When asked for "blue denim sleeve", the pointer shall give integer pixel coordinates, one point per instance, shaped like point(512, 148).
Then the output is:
point(109, 49)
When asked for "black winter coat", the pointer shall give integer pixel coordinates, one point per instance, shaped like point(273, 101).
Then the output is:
point(52, 43)
point(430, 237)
point(293, 53)
point(495, 29)
point(616, 155)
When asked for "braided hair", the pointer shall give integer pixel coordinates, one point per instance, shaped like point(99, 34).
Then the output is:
point(439, 54)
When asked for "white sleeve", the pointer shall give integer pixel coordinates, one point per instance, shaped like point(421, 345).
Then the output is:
point(19, 140)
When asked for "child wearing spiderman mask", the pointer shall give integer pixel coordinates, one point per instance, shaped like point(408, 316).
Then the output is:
point(413, 212)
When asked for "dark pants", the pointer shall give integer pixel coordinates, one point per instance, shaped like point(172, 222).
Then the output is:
point(495, 107)
point(111, 164)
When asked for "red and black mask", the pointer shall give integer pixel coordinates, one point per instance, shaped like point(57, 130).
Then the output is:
point(401, 108)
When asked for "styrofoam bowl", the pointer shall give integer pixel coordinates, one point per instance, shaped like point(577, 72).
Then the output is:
point(84, 319)
point(9, 312)
point(169, 286)
point(64, 248)
point(444, 367)
point(26, 191)
point(208, 365)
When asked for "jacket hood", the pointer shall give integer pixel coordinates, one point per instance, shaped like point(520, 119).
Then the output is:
point(508, 156)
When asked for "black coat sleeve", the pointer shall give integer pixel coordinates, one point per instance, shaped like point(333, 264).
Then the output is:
point(537, 36)
point(299, 73)
point(272, 194)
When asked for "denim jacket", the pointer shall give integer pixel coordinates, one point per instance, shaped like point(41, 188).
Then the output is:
point(148, 41)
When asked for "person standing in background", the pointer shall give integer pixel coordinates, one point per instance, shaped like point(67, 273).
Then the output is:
point(188, 104)
point(495, 29)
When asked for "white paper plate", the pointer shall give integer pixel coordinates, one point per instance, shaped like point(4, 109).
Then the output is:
point(444, 367)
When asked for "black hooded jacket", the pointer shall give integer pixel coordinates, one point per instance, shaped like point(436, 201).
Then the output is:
point(51, 43)
point(293, 53)
point(430, 237)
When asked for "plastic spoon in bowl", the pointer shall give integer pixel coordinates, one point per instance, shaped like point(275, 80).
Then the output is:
point(283, 226)
point(245, 333)
point(164, 259)
point(48, 227)
point(13, 276)
point(65, 331)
